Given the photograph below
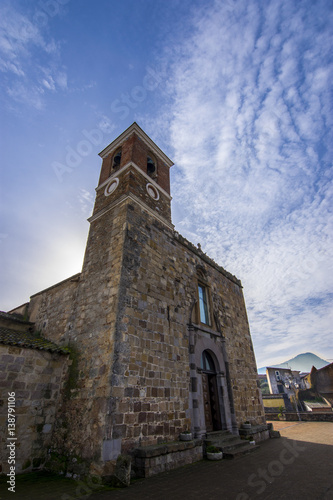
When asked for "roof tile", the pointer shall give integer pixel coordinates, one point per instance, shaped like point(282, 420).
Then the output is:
point(25, 339)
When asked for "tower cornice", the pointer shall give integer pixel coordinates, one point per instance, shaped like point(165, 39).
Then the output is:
point(138, 169)
point(126, 198)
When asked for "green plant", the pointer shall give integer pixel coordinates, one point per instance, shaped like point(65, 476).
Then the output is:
point(186, 432)
point(73, 373)
point(26, 464)
point(212, 449)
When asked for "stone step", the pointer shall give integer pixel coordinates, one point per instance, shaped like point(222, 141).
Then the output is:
point(223, 441)
point(236, 444)
point(231, 445)
point(237, 449)
point(218, 434)
point(238, 452)
point(222, 437)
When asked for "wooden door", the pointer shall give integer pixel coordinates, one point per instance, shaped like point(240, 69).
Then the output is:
point(214, 403)
point(206, 402)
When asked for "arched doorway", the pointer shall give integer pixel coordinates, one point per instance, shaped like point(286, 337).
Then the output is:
point(210, 393)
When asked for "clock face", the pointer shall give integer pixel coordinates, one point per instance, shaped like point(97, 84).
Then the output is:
point(111, 186)
point(152, 191)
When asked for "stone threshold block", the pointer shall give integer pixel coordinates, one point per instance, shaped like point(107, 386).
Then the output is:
point(259, 432)
point(155, 459)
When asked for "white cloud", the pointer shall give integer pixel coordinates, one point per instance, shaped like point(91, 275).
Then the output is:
point(31, 96)
point(249, 128)
point(49, 83)
point(86, 201)
point(61, 79)
point(10, 66)
point(22, 43)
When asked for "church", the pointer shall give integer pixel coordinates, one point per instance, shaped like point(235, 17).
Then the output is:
point(150, 340)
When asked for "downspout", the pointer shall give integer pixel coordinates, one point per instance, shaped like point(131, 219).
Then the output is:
point(228, 379)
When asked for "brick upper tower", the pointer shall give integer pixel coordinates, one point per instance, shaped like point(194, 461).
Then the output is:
point(134, 167)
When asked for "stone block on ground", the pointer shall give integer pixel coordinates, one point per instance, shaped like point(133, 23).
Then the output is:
point(122, 474)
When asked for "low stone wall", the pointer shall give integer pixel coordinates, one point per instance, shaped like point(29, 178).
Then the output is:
point(32, 381)
point(152, 460)
point(305, 416)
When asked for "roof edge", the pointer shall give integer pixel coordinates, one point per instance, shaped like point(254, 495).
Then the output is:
point(142, 134)
point(75, 277)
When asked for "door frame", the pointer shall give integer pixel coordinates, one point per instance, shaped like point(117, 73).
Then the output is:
point(201, 343)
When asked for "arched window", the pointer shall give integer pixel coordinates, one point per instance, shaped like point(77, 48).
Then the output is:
point(203, 304)
point(203, 297)
point(116, 159)
point(151, 165)
point(201, 273)
point(207, 363)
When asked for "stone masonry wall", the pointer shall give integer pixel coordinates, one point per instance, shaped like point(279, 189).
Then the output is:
point(242, 364)
point(37, 378)
point(157, 291)
point(81, 313)
point(53, 310)
point(133, 304)
point(230, 313)
point(153, 460)
point(150, 388)
point(305, 416)
point(93, 337)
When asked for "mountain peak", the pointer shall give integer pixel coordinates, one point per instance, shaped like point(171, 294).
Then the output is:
point(302, 362)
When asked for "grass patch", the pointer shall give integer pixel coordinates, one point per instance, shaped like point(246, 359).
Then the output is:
point(42, 484)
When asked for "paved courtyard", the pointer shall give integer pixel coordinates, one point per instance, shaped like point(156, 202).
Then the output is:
point(297, 466)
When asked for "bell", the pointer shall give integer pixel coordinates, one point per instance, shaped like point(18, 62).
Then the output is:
point(116, 160)
point(150, 167)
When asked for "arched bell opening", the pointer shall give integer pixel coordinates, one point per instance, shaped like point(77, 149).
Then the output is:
point(151, 166)
point(116, 159)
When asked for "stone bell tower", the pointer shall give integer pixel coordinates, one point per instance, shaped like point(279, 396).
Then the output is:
point(114, 320)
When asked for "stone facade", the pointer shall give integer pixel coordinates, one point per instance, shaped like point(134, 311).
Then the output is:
point(159, 330)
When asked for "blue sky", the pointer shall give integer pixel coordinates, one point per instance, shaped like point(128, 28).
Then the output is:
point(238, 93)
